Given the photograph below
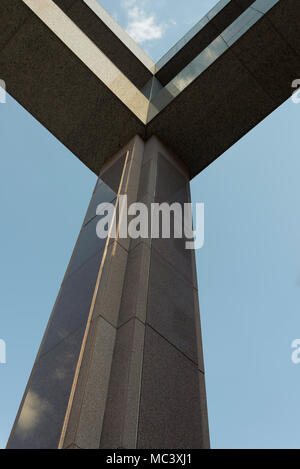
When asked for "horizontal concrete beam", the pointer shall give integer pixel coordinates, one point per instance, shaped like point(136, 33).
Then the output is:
point(108, 36)
point(74, 69)
point(199, 37)
point(249, 79)
point(66, 95)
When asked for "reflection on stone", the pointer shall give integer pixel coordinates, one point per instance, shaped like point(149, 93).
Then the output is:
point(43, 411)
point(34, 410)
point(73, 304)
point(41, 419)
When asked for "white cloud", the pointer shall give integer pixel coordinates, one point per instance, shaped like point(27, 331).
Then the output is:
point(142, 26)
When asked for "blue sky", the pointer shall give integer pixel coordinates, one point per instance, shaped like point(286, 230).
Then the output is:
point(157, 24)
point(248, 269)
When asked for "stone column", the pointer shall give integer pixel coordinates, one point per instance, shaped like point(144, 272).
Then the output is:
point(121, 365)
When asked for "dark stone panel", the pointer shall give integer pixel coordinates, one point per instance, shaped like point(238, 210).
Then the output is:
point(174, 251)
point(227, 103)
point(147, 181)
point(89, 400)
point(60, 91)
point(73, 305)
point(109, 44)
point(40, 422)
point(170, 413)
point(187, 53)
point(227, 16)
point(275, 55)
point(202, 39)
point(107, 187)
point(204, 412)
point(122, 406)
point(244, 3)
point(13, 14)
point(54, 86)
point(88, 244)
point(171, 187)
point(136, 280)
point(64, 5)
point(170, 306)
point(102, 194)
point(89, 139)
point(285, 16)
point(170, 182)
point(109, 292)
point(112, 176)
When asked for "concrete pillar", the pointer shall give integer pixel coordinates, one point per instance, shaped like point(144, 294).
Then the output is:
point(120, 364)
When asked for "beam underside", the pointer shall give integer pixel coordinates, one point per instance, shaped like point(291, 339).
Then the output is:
point(234, 94)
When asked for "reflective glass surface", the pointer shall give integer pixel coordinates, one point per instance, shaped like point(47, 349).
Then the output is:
point(42, 414)
point(40, 421)
point(73, 305)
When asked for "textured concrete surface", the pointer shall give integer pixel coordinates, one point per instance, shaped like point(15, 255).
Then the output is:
point(137, 279)
point(109, 43)
point(201, 35)
point(82, 110)
point(154, 393)
point(107, 304)
point(170, 412)
point(170, 306)
point(285, 19)
point(200, 137)
point(62, 93)
point(121, 421)
point(13, 13)
point(84, 424)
